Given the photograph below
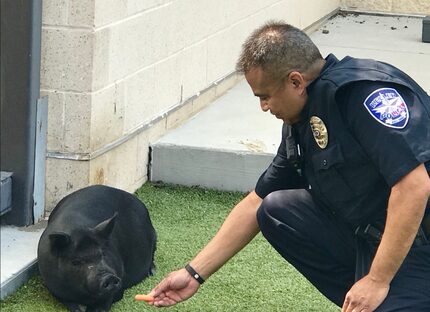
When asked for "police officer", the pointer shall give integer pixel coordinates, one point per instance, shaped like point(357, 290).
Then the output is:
point(345, 199)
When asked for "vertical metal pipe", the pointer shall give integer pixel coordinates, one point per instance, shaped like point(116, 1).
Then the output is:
point(37, 194)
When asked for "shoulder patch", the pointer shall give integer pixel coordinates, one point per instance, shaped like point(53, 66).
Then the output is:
point(387, 106)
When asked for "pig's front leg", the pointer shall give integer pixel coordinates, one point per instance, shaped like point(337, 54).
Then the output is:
point(105, 307)
point(75, 307)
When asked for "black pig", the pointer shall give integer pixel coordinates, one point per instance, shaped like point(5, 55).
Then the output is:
point(99, 241)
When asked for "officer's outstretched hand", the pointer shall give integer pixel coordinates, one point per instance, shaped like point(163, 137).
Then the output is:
point(176, 287)
point(365, 295)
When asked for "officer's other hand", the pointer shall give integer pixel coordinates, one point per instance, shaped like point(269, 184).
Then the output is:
point(365, 295)
point(176, 287)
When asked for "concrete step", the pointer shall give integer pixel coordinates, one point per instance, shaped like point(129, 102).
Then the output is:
point(226, 146)
point(18, 255)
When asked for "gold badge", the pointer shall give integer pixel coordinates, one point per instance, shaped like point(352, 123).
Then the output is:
point(319, 131)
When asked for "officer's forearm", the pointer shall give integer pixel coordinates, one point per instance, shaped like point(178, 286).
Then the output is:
point(406, 208)
point(239, 228)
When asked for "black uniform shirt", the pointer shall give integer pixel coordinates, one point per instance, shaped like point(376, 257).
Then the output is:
point(394, 152)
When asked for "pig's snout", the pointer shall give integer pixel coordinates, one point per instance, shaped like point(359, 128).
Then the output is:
point(110, 283)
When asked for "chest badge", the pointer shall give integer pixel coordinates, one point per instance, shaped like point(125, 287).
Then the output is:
point(319, 131)
point(388, 107)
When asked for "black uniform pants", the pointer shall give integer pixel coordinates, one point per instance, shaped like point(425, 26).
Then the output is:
point(331, 257)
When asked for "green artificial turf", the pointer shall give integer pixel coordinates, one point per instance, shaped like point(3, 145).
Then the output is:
point(257, 279)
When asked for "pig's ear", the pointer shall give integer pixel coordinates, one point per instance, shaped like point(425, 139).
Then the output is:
point(59, 240)
point(103, 229)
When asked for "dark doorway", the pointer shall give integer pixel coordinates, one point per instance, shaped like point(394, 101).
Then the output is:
point(20, 92)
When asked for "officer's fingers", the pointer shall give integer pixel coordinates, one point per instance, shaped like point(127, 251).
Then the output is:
point(361, 310)
point(165, 302)
point(160, 289)
point(161, 301)
point(345, 303)
point(158, 299)
point(356, 307)
point(350, 305)
point(155, 292)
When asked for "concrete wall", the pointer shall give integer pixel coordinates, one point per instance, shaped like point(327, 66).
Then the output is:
point(421, 7)
point(120, 73)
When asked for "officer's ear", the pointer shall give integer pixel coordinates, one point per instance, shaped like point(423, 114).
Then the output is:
point(297, 80)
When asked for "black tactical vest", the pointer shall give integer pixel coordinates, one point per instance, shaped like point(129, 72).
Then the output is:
point(342, 177)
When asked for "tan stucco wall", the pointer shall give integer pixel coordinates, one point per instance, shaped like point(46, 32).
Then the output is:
point(421, 7)
point(119, 74)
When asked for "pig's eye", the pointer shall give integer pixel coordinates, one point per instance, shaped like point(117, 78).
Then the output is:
point(76, 262)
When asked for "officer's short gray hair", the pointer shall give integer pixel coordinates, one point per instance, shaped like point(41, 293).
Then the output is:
point(278, 48)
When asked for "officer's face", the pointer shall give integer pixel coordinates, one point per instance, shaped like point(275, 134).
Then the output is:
point(284, 99)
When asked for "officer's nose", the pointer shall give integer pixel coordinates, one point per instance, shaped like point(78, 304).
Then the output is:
point(264, 106)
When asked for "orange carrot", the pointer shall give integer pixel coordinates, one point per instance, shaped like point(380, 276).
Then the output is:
point(146, 298)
